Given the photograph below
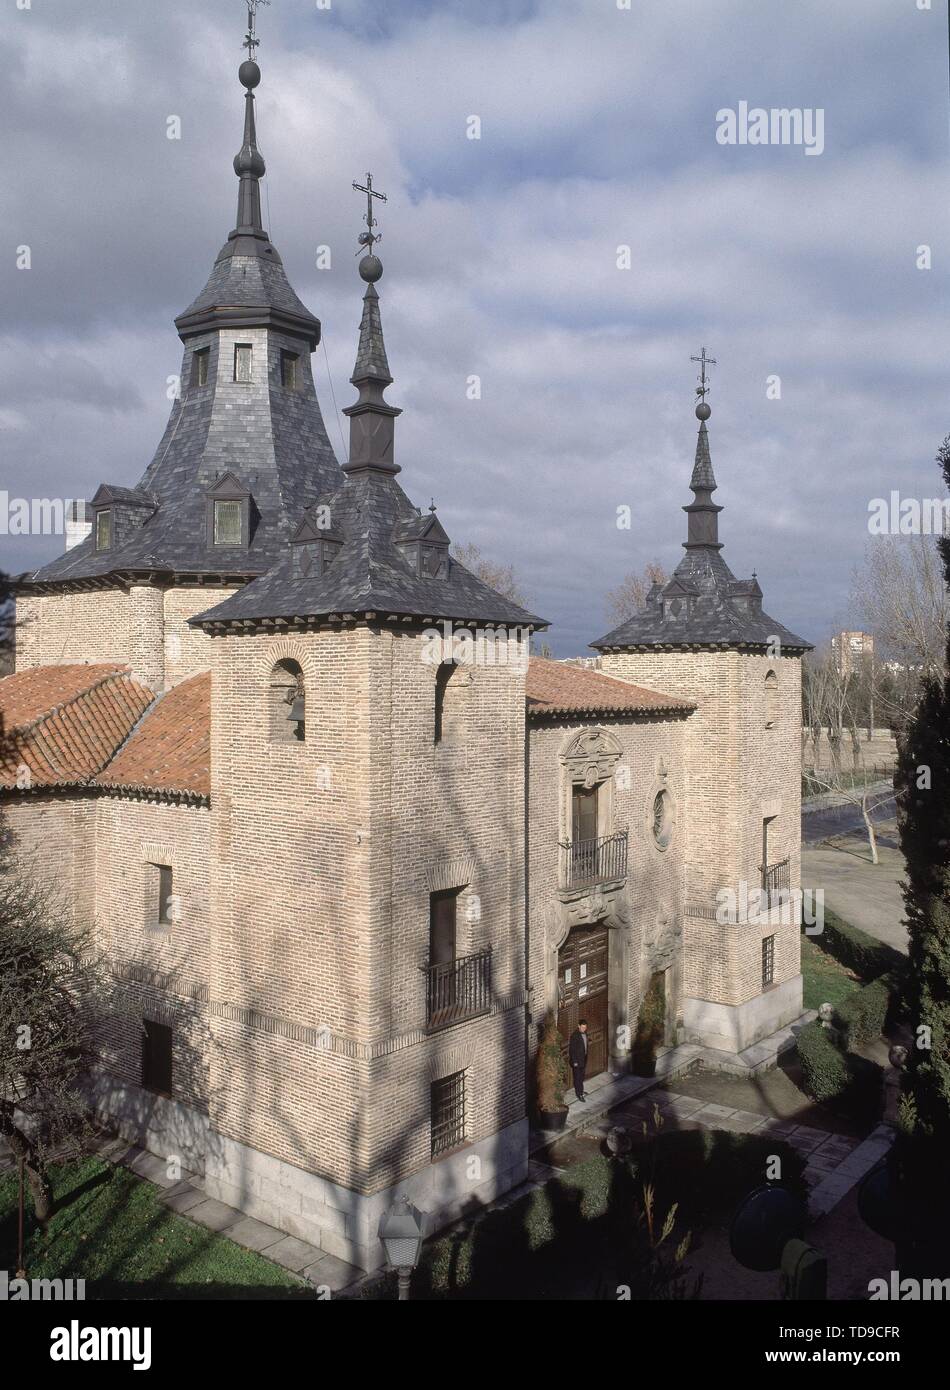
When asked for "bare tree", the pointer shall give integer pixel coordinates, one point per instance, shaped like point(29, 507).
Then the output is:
point(900, 593)
point(501, 578)
point(630, 595)
point(829, 707)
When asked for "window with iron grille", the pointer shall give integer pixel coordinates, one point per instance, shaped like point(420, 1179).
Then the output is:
point(156, 1057)
point(768, 960)
point(228, 523)
point(448, 1113)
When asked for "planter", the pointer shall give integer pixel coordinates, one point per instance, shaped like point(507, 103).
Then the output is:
point(552, 1119)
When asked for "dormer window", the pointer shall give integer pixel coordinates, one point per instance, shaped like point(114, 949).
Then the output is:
point(433, 561)
point(229, 512)
point(314, 545)
point(289, 371)
point(243, 353)
point(104, 529)
point(199, 367)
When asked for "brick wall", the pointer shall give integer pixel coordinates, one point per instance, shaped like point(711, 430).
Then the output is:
point(738, 771)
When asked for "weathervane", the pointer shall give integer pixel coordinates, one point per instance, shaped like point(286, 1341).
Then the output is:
point(369, 238)
point(704, 362)
point(251, 41)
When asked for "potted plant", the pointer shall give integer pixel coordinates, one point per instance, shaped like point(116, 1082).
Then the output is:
point(551, 1076)
point(650, 1027)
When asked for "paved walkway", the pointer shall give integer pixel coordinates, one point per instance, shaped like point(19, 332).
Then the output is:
point(864, 894)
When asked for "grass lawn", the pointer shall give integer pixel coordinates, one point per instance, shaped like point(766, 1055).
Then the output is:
point(826, 980)
point(110, 1229)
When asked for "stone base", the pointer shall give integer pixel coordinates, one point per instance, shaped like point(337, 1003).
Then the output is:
point(164, 1127)
point(734, 1027)
point(346, 1223)
point(333, 1218)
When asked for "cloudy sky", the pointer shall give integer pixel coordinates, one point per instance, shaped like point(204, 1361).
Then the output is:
point(598, 130)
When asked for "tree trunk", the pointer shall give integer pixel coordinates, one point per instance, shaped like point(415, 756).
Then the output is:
point(869, 827)
point(37, 1180)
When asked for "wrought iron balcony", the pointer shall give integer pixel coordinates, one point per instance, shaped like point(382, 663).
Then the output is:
point(776, 878)
point(586, 862)
point(458, 989)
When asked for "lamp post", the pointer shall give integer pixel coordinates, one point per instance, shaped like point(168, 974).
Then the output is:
point(400, 1230)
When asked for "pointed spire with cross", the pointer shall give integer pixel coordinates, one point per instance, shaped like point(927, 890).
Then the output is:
point(371, 418)
point(703, 388)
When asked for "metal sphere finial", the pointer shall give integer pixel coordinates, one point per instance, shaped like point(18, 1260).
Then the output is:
point(370, 268)
point(249, 74)
point(703, 411)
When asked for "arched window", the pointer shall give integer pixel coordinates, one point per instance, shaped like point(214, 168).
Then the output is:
point(287, 703)
point(449, 702)
point(771, 700)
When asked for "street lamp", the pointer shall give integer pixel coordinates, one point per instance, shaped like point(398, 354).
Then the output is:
point(400, 1230)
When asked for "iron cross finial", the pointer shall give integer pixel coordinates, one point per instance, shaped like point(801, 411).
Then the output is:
point(704, 362)
point(251, 40)
point(369, 237)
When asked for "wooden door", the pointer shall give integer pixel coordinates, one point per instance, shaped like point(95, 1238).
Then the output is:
point(582, 980)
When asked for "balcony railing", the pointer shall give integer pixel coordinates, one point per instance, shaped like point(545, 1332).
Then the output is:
point(457, 990)
point(585, 862)
point(776, 878)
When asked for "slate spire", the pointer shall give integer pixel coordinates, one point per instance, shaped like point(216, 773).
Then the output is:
point(372, 418)
point(703, 512)
point(249, 164)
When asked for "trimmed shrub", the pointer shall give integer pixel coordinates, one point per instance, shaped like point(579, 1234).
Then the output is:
point(831, 1075)
point(824, 1065)
point(863, 954)
point(865, 1013)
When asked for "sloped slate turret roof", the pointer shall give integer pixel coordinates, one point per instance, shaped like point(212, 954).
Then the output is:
point(702, 604)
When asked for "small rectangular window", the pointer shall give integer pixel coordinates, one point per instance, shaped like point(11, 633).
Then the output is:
point(227, 523)
point(165, 891)
point(104, 529)
point(447, 1098)
point(199, 374)
point(289, 363)
point(242, 362)
point(768, 961)
point(157, 1057)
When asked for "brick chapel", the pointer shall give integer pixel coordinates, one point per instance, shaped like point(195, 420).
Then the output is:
point(340, 868)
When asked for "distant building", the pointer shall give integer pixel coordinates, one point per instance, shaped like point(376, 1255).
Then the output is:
point(851, 649)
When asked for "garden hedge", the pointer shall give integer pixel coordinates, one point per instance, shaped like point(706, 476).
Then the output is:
point(865, 1013)
point(832, 1075)
point(863, 954)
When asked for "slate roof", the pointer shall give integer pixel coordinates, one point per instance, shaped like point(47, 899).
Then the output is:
point(64, 723)
point(273, 439)
point(558, 688)
point(702, 604)
point(370, 574)
point(170, 751)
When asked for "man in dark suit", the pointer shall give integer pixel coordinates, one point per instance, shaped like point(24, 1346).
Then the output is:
point(577, 1056)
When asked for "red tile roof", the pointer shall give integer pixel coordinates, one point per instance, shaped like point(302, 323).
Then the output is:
point(554, 687)
point(170, 751)
point(62, 724)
